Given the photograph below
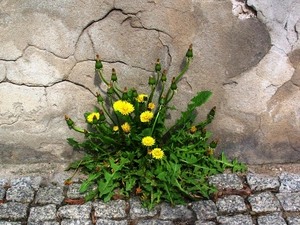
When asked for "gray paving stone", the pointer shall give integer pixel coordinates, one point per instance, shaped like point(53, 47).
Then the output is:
point(59, 178)
point(235, 220)
point(136, 210)
point(264, 202)
point(20, 192)
point(289, 182)
point(77, 222)
point(73, 191)
point(34, 182)
point(50, 195)
point(42, 213)
point(43, 223)
point(111, 210)
point(3, 182)
point(2, 193)
point(111, 222)
point(204, 223)
point(271, 219)
point(293, 220)
point(75, 212)
point(13, 210)
point(231, 204)
point(154, 222)
point(222, 181)
point(168, 212)
point(10, 223)
point(289, 201)
point(260, 182)
point(205, 209)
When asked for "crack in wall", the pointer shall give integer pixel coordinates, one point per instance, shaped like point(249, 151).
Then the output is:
point(88, 25)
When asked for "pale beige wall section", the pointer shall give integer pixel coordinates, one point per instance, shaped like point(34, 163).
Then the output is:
point(250, 63)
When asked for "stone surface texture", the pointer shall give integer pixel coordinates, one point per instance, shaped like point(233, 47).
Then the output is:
point(246, 52)
point(258, 207)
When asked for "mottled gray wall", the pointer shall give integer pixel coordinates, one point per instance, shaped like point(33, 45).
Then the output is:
point(248, 56)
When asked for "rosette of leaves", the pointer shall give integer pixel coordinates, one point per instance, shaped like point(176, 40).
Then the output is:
point(131, 151)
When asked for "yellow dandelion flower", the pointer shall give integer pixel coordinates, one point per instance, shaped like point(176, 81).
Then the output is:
point(146, 116)
point(148, 141)
point(90, 118)
point(193, 129)
point(157, 153)
point(117, 105)
point(151, 106)
point(115, 128)
point(126, 127)
point(141, 98)
point(123, 107)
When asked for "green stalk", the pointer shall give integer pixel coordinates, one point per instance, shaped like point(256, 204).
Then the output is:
point(177, 78)
point(116, 87)
point(101, 76)
point(152, 93)
point(162, 90)
point(168, 100)
point(78, 129)
point(158, 78)
point(106, 112)
point(156, 118)
point(184, 70)
point(115, 91)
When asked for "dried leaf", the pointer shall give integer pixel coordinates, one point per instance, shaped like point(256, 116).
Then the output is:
point(68, 182)
point(79, 201)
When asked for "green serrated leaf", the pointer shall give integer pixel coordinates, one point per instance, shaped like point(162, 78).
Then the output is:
point(199, 99)
point(162, 176)
point(86, 184)
point(73, 143)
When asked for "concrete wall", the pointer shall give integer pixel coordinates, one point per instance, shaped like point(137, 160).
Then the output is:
point(247, 55)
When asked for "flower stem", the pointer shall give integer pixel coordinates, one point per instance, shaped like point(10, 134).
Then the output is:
point(184, 70)
point(152, 93)
point(101, 76)
point(78, 129)
point(177, 79)
point(156, 118)
point(106, 112)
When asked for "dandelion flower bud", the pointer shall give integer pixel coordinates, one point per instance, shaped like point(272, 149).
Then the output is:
point(102, 116)
point(214, 143)
point(99, 97)
point(134, 93)
point(151, 81)
point(125, 95)
point(193, 129)
point(189, 53)
point(98, 64)
point(162, 100)
point(110, 90)
point(114, 75)
point(163, 76)
point(157, 66)
point(173, 85)
point(69, 121)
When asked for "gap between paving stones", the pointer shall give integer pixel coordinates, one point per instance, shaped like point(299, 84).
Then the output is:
point(245, 199)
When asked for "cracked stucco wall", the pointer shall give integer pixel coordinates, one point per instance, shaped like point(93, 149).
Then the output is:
point(247, 53)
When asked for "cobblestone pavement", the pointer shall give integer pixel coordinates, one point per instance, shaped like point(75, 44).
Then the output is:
point(243, 199)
